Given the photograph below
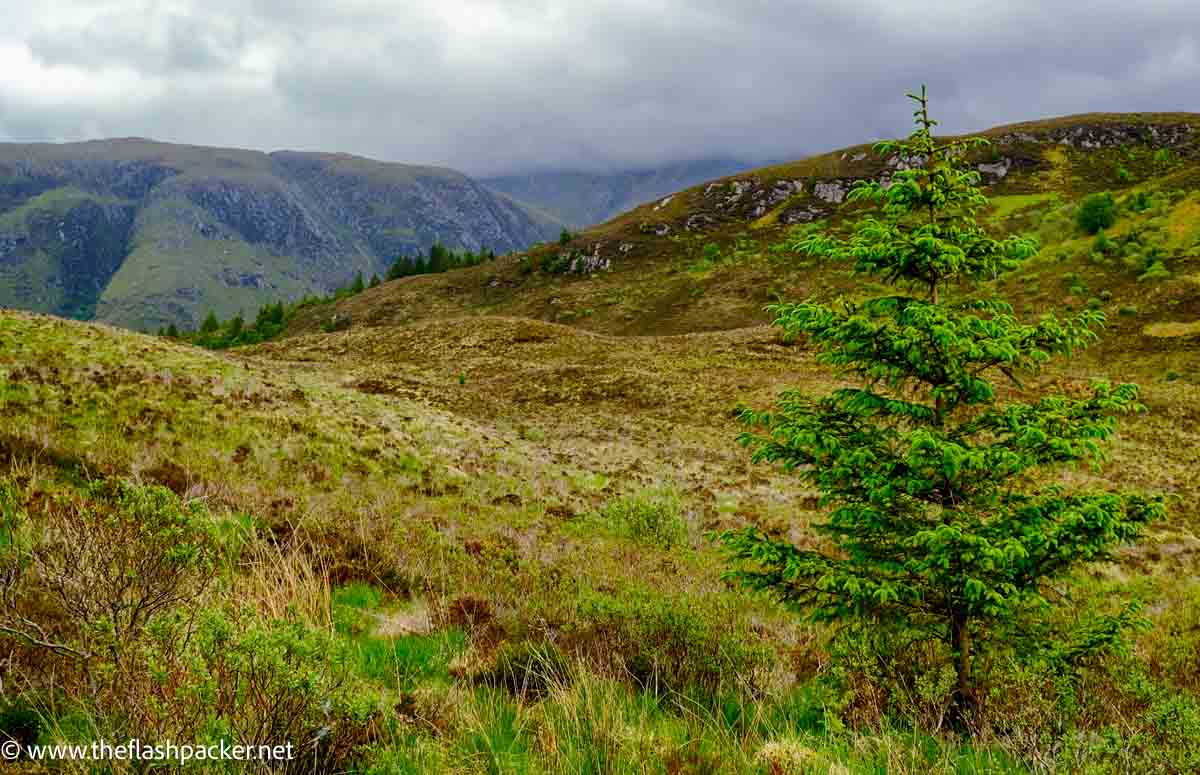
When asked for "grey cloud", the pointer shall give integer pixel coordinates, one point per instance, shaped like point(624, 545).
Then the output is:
point(147, 40)
point(493, 87)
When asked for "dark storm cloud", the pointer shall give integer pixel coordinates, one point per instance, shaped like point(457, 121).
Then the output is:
point(498, 86)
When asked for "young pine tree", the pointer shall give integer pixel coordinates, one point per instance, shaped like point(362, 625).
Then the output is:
point(933, 522)
point(234, 328)
point(439, 259)
point(401, 267)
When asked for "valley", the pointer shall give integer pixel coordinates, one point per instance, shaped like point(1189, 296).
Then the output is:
point(478, 520)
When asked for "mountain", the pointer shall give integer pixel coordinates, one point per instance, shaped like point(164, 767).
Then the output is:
point(141, 234)
point(584, 198)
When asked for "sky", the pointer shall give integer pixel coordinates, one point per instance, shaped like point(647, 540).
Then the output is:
point(493, 87)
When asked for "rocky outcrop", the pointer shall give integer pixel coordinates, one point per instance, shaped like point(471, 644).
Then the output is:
point(774, 196)
point(1113, 135)
point(76, 243)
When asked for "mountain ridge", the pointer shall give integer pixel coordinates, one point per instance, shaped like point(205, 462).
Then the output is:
point(143, 233)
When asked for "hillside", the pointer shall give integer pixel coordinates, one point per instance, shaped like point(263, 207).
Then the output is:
point(581, 199)
point(142, 234)
point(645, 273)
point(472, 532)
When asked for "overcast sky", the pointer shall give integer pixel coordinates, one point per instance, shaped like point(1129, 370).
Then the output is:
point(489, 87)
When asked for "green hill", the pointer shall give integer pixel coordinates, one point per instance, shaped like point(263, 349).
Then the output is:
point(653, 278)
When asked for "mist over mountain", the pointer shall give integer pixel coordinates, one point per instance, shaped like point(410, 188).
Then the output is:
point(580, 198)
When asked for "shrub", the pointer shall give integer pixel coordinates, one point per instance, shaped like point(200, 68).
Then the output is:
point(883, 671)
point(561, 262)
point(652, 517)
point(677, 643)
point(1156, 271)
point(1096, 212)
point(338, 321)
point(710, 256)
point(240, 679)
point(1140, 202)
point(112, 560)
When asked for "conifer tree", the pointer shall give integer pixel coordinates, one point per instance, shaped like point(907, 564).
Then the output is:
point(439, 258)
point(932, 520)
point(359, 285)
point(210, 324)
point(233, 329)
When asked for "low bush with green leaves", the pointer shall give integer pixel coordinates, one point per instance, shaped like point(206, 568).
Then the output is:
point(654, 516)
point(1096, 212)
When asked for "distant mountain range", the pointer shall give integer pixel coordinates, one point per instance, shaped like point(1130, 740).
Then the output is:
point(141, 234)
point(582, 199)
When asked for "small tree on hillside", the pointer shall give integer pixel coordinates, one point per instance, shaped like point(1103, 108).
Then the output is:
point(401, 267)
point(934, 522)
point(210, 324)
point(233, 329)
point(439, 258)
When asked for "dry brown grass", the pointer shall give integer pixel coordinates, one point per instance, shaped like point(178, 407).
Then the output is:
point(289, 583)
point(1173, 330)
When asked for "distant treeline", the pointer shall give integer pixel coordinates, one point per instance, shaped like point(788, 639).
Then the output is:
point(272, 318)
point(440, 259)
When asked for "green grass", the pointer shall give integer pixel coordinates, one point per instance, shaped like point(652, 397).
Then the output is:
point(1006, 205)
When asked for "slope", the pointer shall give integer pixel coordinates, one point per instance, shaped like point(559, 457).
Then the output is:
point(651, 270)
point(141, 233)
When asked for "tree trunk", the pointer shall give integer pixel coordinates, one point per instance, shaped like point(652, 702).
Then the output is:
point(964, 694)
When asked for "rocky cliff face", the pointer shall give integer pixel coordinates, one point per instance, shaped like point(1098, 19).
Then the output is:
point(143, 234)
